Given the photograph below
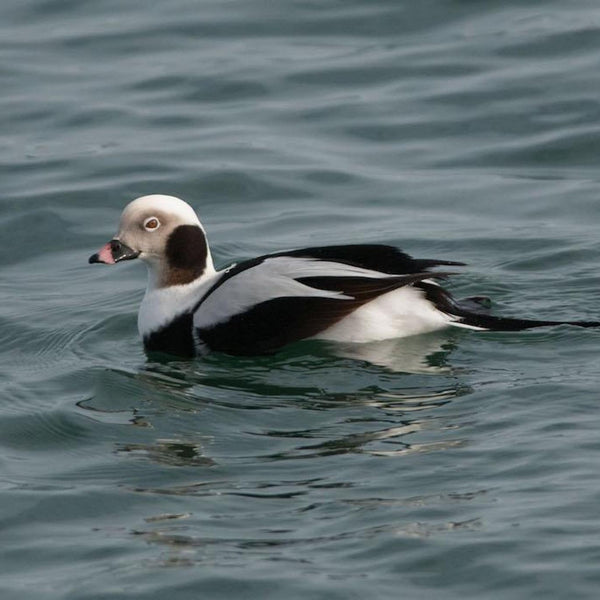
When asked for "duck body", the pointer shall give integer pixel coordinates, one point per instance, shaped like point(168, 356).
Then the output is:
point(346, 293)
point(260, 305)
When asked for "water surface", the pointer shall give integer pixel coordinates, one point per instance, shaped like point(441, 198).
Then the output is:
point(454, 465)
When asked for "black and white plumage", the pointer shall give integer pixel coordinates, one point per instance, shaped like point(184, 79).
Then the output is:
point(351, 293)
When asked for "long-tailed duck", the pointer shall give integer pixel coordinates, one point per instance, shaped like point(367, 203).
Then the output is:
point(350, 293)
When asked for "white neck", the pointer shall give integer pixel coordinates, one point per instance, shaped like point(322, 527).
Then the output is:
point(162, 304)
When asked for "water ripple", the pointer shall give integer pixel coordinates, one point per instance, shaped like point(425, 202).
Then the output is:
point(460, 464)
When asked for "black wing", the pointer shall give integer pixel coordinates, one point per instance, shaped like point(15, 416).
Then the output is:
point(375, 257)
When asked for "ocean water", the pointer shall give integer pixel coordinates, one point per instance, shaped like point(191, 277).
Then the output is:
point(454, 465)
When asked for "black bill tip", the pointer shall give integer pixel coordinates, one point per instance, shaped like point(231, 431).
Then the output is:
point(113, 252)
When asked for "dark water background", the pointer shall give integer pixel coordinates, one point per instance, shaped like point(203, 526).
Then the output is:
point(456, 465)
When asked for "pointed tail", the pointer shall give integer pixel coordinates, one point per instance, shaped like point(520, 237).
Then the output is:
point(471, 313)
point(483, 322)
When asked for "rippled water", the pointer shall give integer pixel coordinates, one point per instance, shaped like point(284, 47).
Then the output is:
point(454, 465)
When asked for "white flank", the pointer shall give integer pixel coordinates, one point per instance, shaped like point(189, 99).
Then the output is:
point(399, 313)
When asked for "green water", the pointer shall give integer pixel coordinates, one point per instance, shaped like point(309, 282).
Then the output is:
point(455, 465)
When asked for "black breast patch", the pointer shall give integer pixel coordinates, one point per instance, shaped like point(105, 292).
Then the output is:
point(175, 338)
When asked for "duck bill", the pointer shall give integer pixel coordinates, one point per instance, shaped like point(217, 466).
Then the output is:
point(113, 252)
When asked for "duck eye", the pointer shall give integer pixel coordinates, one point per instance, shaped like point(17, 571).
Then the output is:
point(151, 223)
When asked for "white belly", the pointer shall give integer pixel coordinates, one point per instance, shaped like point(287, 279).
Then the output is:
point(400, 313)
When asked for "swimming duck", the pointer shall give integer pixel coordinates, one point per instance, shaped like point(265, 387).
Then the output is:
point(346, 293)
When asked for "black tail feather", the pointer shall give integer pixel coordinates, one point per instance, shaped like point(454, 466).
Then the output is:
point(471, 312)
point(492, 323)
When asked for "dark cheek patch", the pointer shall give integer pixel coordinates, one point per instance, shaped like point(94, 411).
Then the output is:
point(186, 254)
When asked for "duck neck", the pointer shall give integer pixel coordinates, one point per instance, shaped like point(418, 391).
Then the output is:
point(164, 276)
point(163, 303)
